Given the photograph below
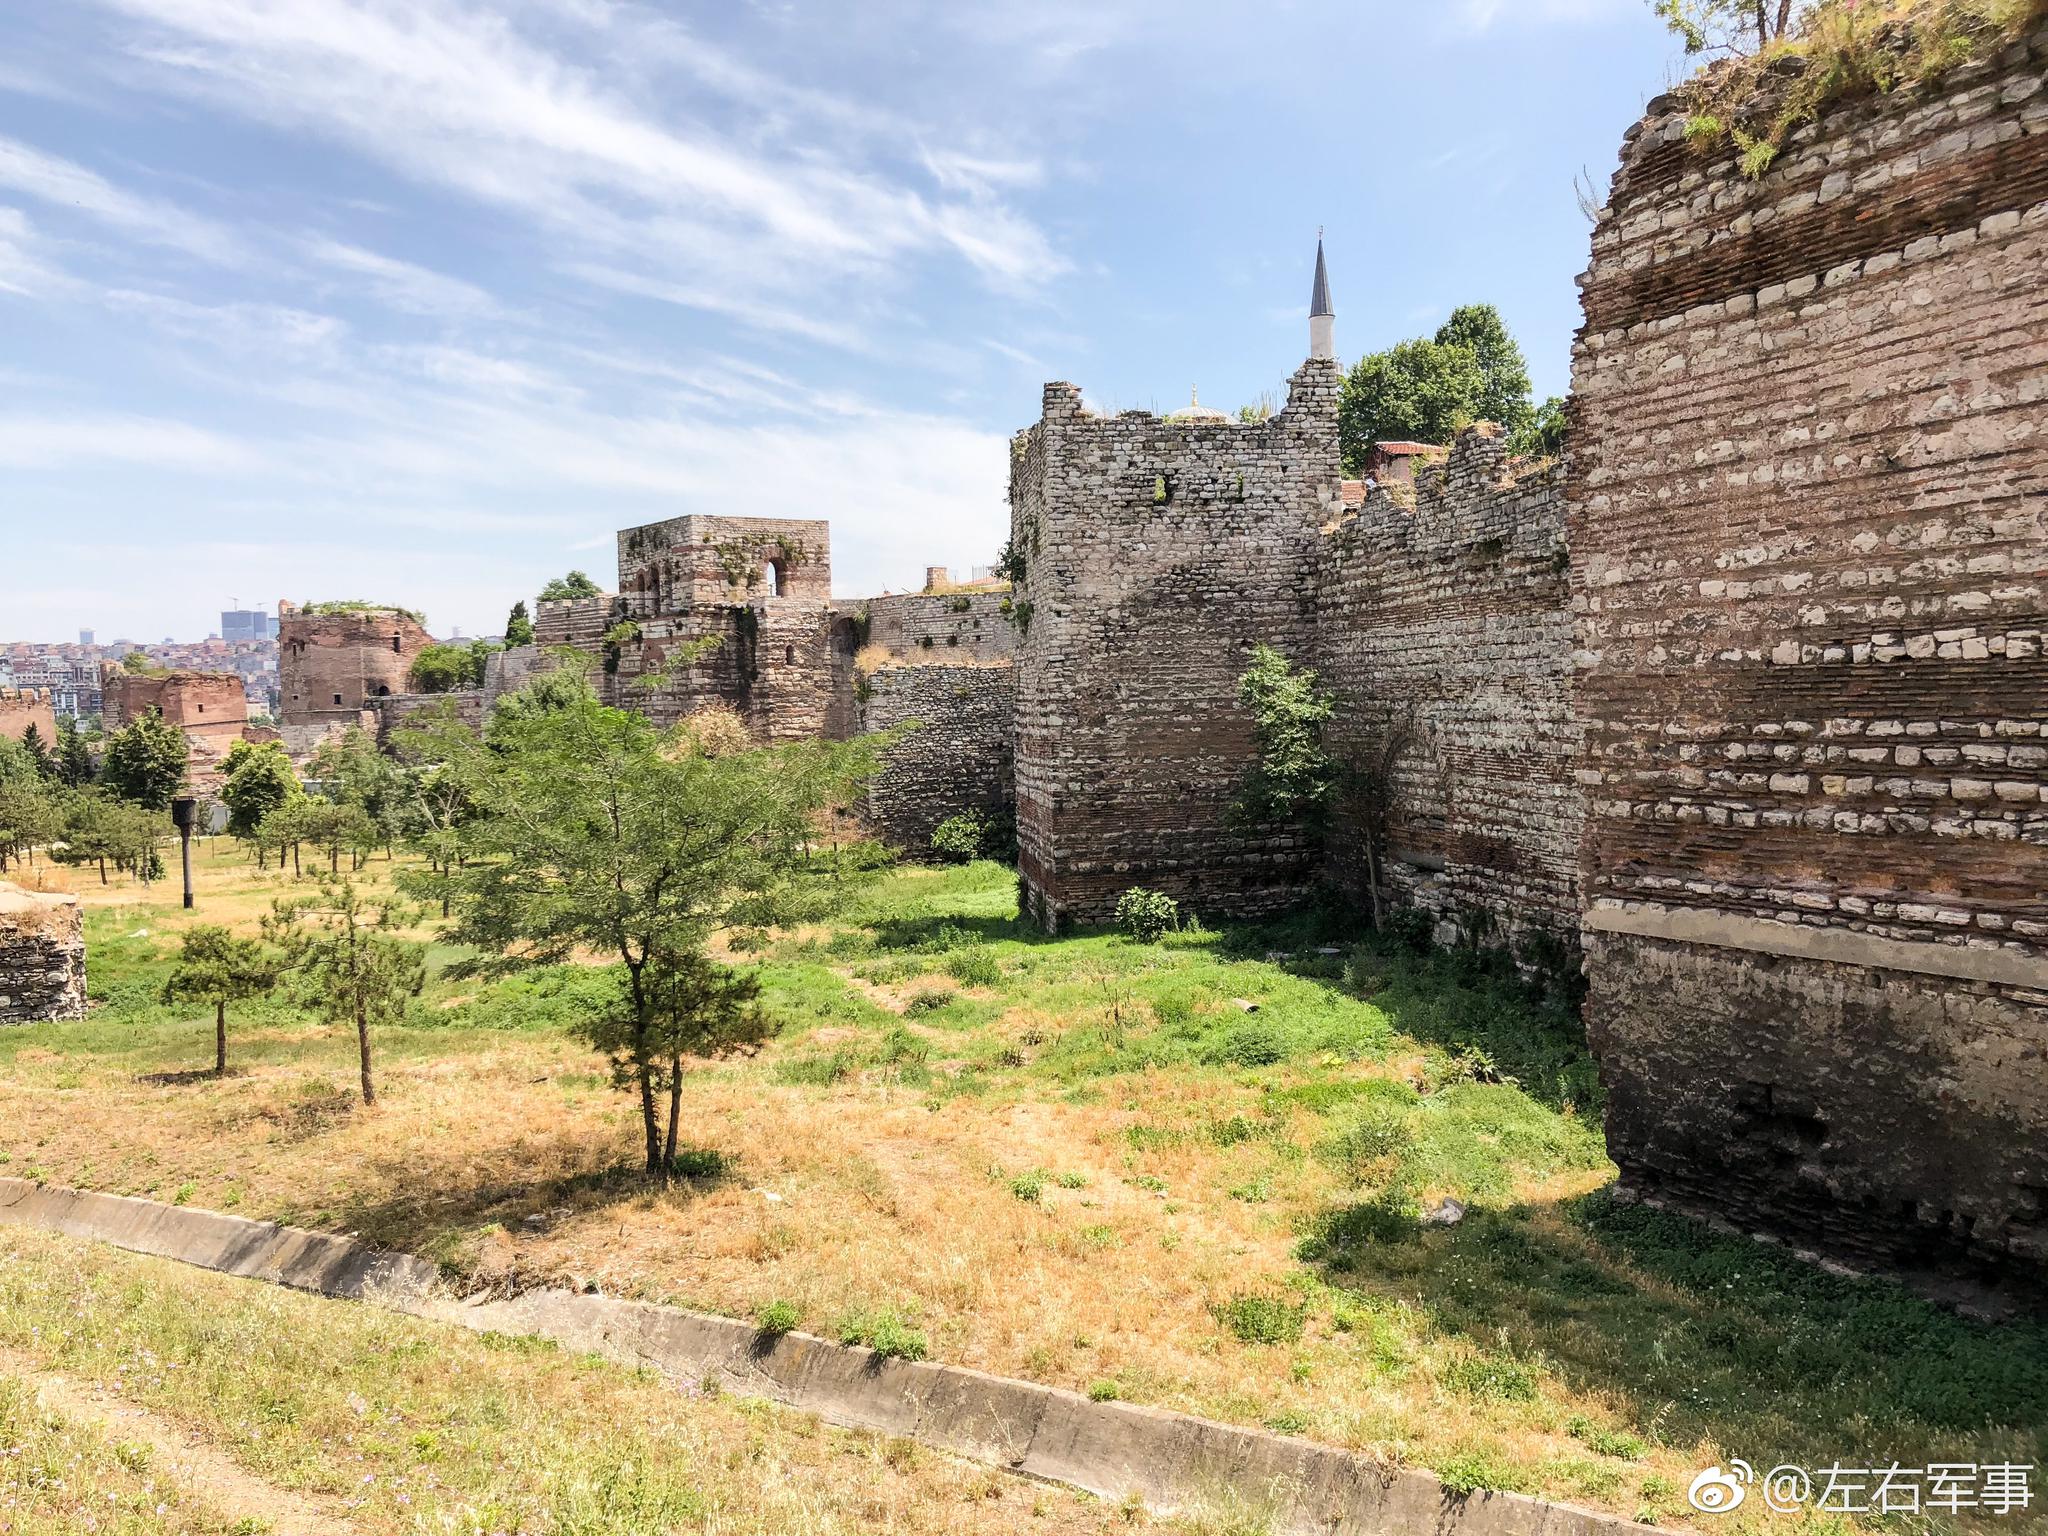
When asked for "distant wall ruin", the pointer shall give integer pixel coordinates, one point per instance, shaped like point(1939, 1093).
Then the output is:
point(1809, 533)
point(21, 708)
point(210, 708)
point(333, 665)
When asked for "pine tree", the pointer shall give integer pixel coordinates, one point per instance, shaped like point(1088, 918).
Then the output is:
point(518, 625)
point(218, 967)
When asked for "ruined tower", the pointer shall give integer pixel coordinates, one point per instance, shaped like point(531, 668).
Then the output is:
point(1150, 557)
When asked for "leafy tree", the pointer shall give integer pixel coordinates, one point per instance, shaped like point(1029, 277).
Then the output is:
point(1504, 375)
point(596, 832)
point(99, 829)
point(219, 967)
point(257, 779)
point(343, 948)
point(287, 826)
point(31, 814)
point(518, 625)
point(575, 584)
point(140, 664)
point(338, 827)
point(1293, 777)
point(444, 669)
point(434, 807)
point(356, 773)
point(41, 758)
point(74, 755)
point(145, 762)
point(1735, 25)
point(700, 1009)
point(1543, 435)
point(1425, 390)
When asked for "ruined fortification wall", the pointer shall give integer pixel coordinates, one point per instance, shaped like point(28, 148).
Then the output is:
point(211, 706)
point(693, 561)
point(959, 759)
point(331, 666)
point(402, 711)
point(1444, 633)
point(1809, 534)
point(1157, 554)
point(964, 626)
point(21, 708)
point(42, 956)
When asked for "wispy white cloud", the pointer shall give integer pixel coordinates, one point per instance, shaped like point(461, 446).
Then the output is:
point(50, 441)
point(403, 285)
point(64, 184)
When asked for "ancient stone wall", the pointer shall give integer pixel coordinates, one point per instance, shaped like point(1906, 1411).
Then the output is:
point(42, 956)
point(402, 711)
point(332, 665)
point(1156, 555)
point(693, 561)
point(944, 626)
point(957, 760)
point(1809, 539)
point(1444, 633)
point(211, 708)
point(21, 708)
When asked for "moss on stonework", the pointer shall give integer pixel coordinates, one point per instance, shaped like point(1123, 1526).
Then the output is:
point(1844, 49)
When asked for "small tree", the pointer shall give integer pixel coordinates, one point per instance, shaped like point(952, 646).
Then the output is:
point(1733, 25)
point(74, 755)
point(1543, 436)
point(443, 669)
point(352, 966)
point(145, 761)
point(1503, 395)
point(219, 967)
point(40, 757)
point(595, 831)
point(1293, 777)
point(575, 584)
point(1147, 916)
point(97, 829)
point(336, 828)
point(31, 815)
point(258, 780)
point(518, 625)
point(287, 826)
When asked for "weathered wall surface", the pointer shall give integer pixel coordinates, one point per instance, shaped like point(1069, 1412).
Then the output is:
point(1444, 633)
point(21, 708)
point(695, 561)
point(1809, 533)
point(960, 759)
point(331, 666)
point(1157, 554)
point(201, 704)
point(943, 626)
point(414, 711)
point(42, 956)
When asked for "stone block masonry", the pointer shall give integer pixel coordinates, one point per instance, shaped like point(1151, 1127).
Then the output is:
point(945, 626)
point(1444, 633)
point(1156, 555)
point(958, 760)
point(1809, 532)
point(42, 956)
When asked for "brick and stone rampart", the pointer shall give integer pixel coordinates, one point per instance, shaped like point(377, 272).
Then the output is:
point(211, 708)
point(959, 759)
point(1157, 554)
point(944, 626)
point(42, 956)
point(414, 711)
point(333, 665)
point(1809, 540)
point(21, 708)
point(695, 561)
point(1444, 634)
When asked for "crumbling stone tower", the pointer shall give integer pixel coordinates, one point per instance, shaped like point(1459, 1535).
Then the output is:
point(332, 663)
point(1808, 496)
point(1150, 556)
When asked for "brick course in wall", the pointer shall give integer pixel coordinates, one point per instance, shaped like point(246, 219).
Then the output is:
point(1444, 634)
point(1809, 531)
point(945, 626)
point(1157, 554)
point(958, 760)
point(42, 956)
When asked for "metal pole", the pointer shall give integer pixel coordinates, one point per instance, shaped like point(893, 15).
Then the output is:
point(184, 811)
point(185, 851)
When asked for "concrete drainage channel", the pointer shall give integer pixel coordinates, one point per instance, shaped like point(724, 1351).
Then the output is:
point(1170, 1461)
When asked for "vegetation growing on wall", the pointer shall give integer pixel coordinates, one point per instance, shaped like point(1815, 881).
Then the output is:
point(341, 606)
point(1294, 776)
point(1781, 72)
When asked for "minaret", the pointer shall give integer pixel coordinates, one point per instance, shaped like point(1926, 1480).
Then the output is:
point(1322, 319)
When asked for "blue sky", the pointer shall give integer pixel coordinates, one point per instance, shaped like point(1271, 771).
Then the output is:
point(419, 300)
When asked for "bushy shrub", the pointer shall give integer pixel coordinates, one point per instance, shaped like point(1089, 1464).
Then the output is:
point(974, 966)
point(1257, 1319)
point(927, 1000)
point(778, 1317)
point(886, 1334)
point(1147, 916)
point(1250, 1043)
point(959, 838)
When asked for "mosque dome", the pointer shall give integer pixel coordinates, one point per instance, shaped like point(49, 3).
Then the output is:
point(1194, 410)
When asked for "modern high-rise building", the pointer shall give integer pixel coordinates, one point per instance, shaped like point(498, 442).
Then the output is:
point(246, 624)
point(85, 637)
